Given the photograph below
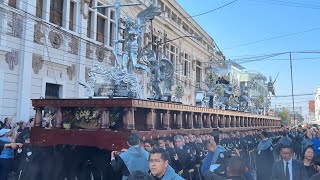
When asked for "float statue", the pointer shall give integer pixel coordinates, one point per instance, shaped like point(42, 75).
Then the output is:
point(133, 54)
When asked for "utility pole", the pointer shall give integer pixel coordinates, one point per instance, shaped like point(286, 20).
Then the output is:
point(293, 109)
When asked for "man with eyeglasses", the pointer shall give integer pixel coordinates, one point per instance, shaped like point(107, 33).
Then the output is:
point(159, 166)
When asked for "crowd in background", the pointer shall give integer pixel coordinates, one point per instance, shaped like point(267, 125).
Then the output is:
point(285, 154)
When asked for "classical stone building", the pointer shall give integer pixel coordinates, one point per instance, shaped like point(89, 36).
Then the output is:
point(48, 46)
point(317, 106)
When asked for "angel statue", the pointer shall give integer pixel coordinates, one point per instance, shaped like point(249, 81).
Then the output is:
point(270, 85)
point(132, 56)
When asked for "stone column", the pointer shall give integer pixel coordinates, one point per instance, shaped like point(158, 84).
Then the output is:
point(104, 119)
point(241, 121)
point(190, 120)
point(222, 121)
point(245, 122)
point(24, 58)
point(200, 120)
point(150, 119)
point(216, 121)
point(249, 121)
point(59, 118)
point(38, 117)
point(166, 120)
point(208, 121)
point(128, 118)
point(228, 121)
point(237, 121)
point(179, 120)
point(233, 123)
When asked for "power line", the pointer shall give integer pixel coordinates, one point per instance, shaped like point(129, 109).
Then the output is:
point(207, 12)
point(296, 95)
point(287, 3)
point(272, 38)
point(259, 55)
point(266, 57)
point(281, 59)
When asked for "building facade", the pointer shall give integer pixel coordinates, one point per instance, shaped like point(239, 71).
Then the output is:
point(48, 46)
point(317, 106)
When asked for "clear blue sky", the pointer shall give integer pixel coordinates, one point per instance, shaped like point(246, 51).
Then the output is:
point(295, 22)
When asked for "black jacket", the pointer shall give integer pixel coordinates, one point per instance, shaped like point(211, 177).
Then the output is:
point(298, 171)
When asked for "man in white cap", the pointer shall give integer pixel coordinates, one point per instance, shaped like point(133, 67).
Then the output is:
point(7, 154)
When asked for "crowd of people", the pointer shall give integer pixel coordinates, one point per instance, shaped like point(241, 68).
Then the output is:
point(271, 154)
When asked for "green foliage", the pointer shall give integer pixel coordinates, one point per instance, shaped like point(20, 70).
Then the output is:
point(179, 91)
point(219, 90)
point(211, 79)
point(299, 118)
point(259, 101)
point(285, 116)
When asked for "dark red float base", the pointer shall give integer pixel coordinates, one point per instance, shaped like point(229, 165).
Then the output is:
point(99, 138)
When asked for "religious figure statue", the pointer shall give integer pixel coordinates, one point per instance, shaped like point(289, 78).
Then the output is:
point(162, 75)
point(244, 99)
point(156, 89)
point(132, 56)
point(271, 86)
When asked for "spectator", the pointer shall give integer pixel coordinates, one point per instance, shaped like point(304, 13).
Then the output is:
point(31, 123)
point(169, 142)
point(288, 168)
point(235, 171)
point(175, 164)
point(7, 123)
point(6, 156)
point(215, 157)
point(306, 141)
point(264, 159)
point(316, 144)
point(22, 126)
point(47, 120)
point(159, 165)
point(134, 159)
point(310, 166)
point(148, 145)
point(184, 156)
point(140, 175)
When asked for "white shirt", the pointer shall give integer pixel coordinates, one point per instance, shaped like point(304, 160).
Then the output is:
point(290, 167)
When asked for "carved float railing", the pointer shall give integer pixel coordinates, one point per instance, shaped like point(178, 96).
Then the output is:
point(149, 119)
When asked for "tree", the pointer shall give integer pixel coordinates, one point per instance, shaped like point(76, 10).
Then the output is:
point(285, 116)
point(299, 118)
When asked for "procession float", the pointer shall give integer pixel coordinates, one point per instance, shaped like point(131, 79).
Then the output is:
point(116, 102)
